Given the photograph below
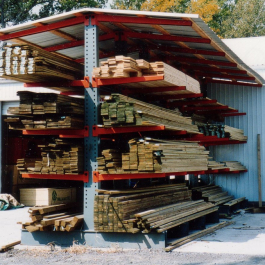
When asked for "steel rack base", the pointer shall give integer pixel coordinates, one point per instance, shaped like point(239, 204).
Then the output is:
point(95, 239)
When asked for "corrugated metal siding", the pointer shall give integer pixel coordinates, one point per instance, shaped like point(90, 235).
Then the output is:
point(249, 100)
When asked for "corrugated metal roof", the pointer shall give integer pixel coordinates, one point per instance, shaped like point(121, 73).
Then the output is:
point(182, 40)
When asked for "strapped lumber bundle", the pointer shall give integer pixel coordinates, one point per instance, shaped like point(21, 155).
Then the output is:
point(114, 211)
point(31, 64)
point(59, 157)
point(61, 217)
point(120, 67)
point(154, 155)
point(120, 110)
point(46, 110)
point(211, 193)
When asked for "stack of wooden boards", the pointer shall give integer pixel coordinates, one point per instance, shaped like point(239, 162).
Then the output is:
point(222, 131)
point(58, 157)
point(120, 110)
point(211, 193)
point(147, 209)
point(31, 64)
point(120, 67)
point(61, 217)
point(46, 110)
point(154, 155)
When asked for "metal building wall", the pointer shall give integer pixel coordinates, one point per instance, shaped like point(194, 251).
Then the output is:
point(250, 100)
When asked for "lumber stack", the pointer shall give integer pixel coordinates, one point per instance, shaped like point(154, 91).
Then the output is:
point(58, 157)
point(61, 217)
point(234, 165)
point(31, 64)
point(46, 110)
point(212, 165)
point(153, 155)
point(114, 211)
point(164, 218)
point(120, 67)
point(235, 134)
point(211, 193)
point(120, 110)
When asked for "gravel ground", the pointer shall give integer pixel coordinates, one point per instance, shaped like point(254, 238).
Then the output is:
point(84, 255)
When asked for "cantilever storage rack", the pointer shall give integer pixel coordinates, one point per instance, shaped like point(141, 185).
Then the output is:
point(87, 35)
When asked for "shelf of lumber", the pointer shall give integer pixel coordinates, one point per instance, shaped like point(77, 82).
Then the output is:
point(63, 133)
point(102, 177)
point(78, 177)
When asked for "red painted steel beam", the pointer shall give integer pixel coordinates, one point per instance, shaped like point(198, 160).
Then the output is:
point(207, 108)
point(139, 20)
point(239, 77)
point(233, 83)
point(187, 96)
point(185, 50)
point(191, 102)
point(80, 177)
point(64, 46)
point(74, 83)
point(151, 97)
point(125, 129)
point(151, 36)
point(199, 61)
point(97, 82)
point(234, 114)
point(44, 28)
point(127, 91)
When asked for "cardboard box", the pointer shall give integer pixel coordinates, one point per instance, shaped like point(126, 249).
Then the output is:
point(47, 196)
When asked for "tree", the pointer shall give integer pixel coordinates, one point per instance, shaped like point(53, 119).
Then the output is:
point(246, 19)
point(13, 12)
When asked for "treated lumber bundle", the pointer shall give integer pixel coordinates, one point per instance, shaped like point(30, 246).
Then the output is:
point(154, 155)
point(121, 66)
point(58, 157)
point(120, 110)
point(164, 218)
point(114, 211)
point(31, 64)
point(184, 240)
point(211, 193)
point(61, 217)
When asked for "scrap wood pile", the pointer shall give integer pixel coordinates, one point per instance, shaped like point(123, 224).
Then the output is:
point(222, 131)
point(30, 64)
point(154, 155)
point(58, 157)
point(114, 211)
point(46, 110)
point(120, 67)
point(211, 193)
point(120, 110)
point(61, 217)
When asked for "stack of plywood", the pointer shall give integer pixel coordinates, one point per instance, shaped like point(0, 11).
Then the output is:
point(153, 155)
point(114, 211)
point(59, 157)
point(119, 110)
point(31, 64)
point(61, 217)
point(121, 66)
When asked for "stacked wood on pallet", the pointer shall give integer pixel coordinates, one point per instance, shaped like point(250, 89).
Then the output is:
point(59, 157)
point(120, 110)
point(121, 66)
point(153, 155)
point(46, 110)
point(31, 64)
point(211, 193)
point(61, 217)
point(115, 211)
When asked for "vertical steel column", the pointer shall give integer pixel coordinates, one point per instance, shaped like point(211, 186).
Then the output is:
point(91, 118)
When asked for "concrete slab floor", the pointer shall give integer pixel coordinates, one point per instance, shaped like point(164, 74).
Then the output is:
point(246, 236)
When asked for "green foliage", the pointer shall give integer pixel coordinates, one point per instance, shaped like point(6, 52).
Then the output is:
point(13, 12)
